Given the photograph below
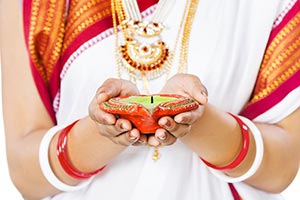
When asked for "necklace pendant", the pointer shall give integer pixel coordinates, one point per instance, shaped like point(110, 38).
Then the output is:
point(144, 58)
point(143, 53)
point(156, 154)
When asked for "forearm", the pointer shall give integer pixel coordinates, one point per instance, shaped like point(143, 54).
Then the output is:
point(87, 150)
point(281, 159)
point(217, 138)
point(23, 162)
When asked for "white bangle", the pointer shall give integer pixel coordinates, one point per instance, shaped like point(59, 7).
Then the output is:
point(258, 156)
point(46, 168)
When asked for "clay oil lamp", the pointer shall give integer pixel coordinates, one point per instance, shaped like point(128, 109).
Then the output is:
point(144, 111)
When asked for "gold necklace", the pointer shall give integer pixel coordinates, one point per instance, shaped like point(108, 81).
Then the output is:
point(143, 54)
point(157, 54)
point(147, 61)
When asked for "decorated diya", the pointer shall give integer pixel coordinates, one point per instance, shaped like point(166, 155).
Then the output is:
point(145, 110)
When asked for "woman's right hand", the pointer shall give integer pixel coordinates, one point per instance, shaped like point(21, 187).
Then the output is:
point(119, 131)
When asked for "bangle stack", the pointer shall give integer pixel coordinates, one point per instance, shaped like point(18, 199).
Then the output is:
point(46, 167)
point(245, 125)
point(64, 160)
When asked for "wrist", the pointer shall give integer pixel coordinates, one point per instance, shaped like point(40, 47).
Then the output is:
point(253, 160)
point(64, 157)
point(215, 137)
point(88, 149)
point(244, 150)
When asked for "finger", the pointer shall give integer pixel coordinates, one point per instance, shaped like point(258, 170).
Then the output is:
point(108, 130)
point(153, 141)
point(127, 138)
point(128, 88)
point(100, 116)
point(121, 126)
point(117, 87)
point(196, 89)
point(189, 117)
point(189, 85)
point(200, 95)
point(177, 130)
point(164, 137)
point(141, 141)
point(168, 123)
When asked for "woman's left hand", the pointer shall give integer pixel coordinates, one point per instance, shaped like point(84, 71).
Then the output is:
point(178, 126)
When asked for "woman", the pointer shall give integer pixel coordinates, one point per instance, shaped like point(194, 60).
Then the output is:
point(240, 61)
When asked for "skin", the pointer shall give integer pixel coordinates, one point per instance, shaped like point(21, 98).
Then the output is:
point(97, 138)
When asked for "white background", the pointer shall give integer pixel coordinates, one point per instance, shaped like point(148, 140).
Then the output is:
point(8, 190)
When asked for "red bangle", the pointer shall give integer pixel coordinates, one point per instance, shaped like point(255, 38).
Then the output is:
point(63, 158)
point(243, 152)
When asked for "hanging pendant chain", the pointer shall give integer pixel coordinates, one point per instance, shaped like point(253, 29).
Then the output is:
point(183, 59)
point(163, 7)
point(128, 9)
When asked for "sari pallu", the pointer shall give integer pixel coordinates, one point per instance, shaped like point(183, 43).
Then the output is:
point(73, 26)
point(53, 31)
point(280, 69)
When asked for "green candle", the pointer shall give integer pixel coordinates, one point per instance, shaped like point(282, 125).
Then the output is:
point(149, 102)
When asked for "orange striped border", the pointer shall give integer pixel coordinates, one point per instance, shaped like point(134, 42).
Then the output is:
point(44, 23)
point(45, 35)
point(279, 71)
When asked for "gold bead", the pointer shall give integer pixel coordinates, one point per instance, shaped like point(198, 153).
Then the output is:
point(155, 158)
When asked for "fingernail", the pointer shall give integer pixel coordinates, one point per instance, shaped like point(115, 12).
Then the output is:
point(178, 119)
point(133, 139)
point(204, 97)
point(203, 93)
point(155, 143)
point(162, 136)
point(133, 136)
point(167, 123)
point(141, 141)
point(124, 126)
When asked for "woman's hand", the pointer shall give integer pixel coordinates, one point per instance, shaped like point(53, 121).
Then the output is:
point(187, 85)
point(120, 131)
point(173, 128)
